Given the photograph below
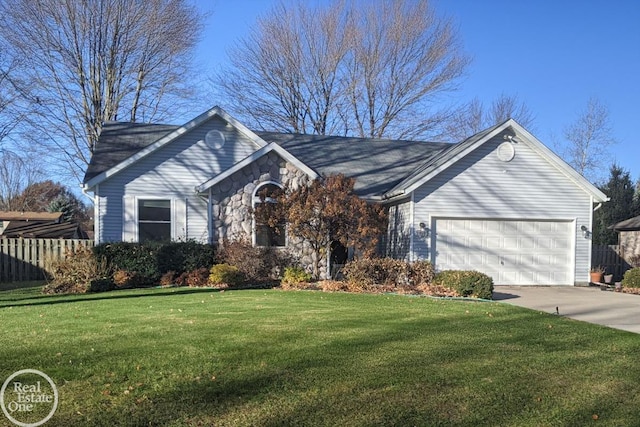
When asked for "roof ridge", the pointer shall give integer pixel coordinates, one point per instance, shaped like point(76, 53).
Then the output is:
point(358, 138)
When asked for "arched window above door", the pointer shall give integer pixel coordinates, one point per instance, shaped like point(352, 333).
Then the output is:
point(265, 234)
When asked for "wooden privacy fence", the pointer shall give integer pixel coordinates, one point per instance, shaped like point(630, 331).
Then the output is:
point(611, 257)
point(28, 259)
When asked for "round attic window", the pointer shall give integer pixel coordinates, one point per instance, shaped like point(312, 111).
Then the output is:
point(506, 152)
point(214, 139)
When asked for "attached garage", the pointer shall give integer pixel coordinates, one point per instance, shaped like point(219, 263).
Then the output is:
point(512, 252)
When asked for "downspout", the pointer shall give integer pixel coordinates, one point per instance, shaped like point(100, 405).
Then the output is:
point(210, 220)
point(96, 212)
point(598, 206)
point(412, 228)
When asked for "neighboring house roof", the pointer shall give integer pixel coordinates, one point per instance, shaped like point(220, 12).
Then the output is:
point(631, 224)
point(43, 230)
point(29, 216)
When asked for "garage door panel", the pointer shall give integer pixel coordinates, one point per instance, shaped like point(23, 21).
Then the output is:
point(474, 242)
point(512, 252)
point(493, 226)
point(528, 228)
point(562, 244)
point(526, 243)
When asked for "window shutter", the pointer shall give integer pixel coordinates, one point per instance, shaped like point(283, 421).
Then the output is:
point(129, 219)
point(180, 220)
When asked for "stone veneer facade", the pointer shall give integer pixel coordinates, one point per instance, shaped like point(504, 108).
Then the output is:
point(232, 201)
point(630, 241)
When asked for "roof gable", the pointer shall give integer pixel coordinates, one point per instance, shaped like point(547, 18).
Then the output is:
point(123, 144)
point(446, 158)
point(253, 157)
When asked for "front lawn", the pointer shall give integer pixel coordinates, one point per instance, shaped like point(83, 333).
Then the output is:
point(198, 357)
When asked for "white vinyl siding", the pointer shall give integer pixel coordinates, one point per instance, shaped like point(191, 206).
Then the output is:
point(171, 172)
point(399, 231)
point(481, 186)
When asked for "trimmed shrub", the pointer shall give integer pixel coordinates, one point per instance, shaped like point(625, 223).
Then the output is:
point(225, 274)
point(140, 258)
point(124, 279)
point(255, 263)
point(334, 286)
point(387, 273)
point(372, 272)
point(168, 279)
point(76, 272)
point(466, 283)
point(184, 257)
point(101, 285)
point(631, 278)
point(422, 272)
point(198, 278)
point(151, 260)
point(295, 275)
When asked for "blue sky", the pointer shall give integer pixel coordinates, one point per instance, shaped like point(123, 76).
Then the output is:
point(554, 55)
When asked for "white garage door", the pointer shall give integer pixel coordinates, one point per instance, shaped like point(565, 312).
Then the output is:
point(511, 252)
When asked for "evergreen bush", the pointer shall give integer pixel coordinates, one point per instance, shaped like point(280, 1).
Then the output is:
point(466, 283)
point(631, 278)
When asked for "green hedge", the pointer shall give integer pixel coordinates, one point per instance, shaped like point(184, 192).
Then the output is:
point(152, 259)
point(466, 283)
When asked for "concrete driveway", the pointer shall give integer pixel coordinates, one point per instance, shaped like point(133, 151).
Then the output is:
point(613, 309)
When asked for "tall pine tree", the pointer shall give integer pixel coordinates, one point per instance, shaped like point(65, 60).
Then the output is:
point(622, 205)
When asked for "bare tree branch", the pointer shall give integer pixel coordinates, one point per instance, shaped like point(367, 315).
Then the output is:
point(85, 63)
point(17, 172)
point(475, 116)
point(367, 69)
point(588, 140)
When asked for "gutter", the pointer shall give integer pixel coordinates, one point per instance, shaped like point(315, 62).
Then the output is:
point(84, 189)
point(390, 197)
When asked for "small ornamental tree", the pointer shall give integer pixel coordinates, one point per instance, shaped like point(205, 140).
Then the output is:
point(325, 211)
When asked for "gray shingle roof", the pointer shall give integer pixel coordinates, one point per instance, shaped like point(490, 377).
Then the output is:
point(376, 164)
point(120, 140)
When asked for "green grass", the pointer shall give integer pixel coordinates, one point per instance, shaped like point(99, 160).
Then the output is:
point(197, 357)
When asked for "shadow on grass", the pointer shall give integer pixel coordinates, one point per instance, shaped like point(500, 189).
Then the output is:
point(319, 384)
point(36, 300)
point(12, 286)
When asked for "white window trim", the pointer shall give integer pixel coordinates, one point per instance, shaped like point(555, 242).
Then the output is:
point(136, 219)
point(255, 198)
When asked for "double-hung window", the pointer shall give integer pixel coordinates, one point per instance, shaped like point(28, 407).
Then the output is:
point(154, 220)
